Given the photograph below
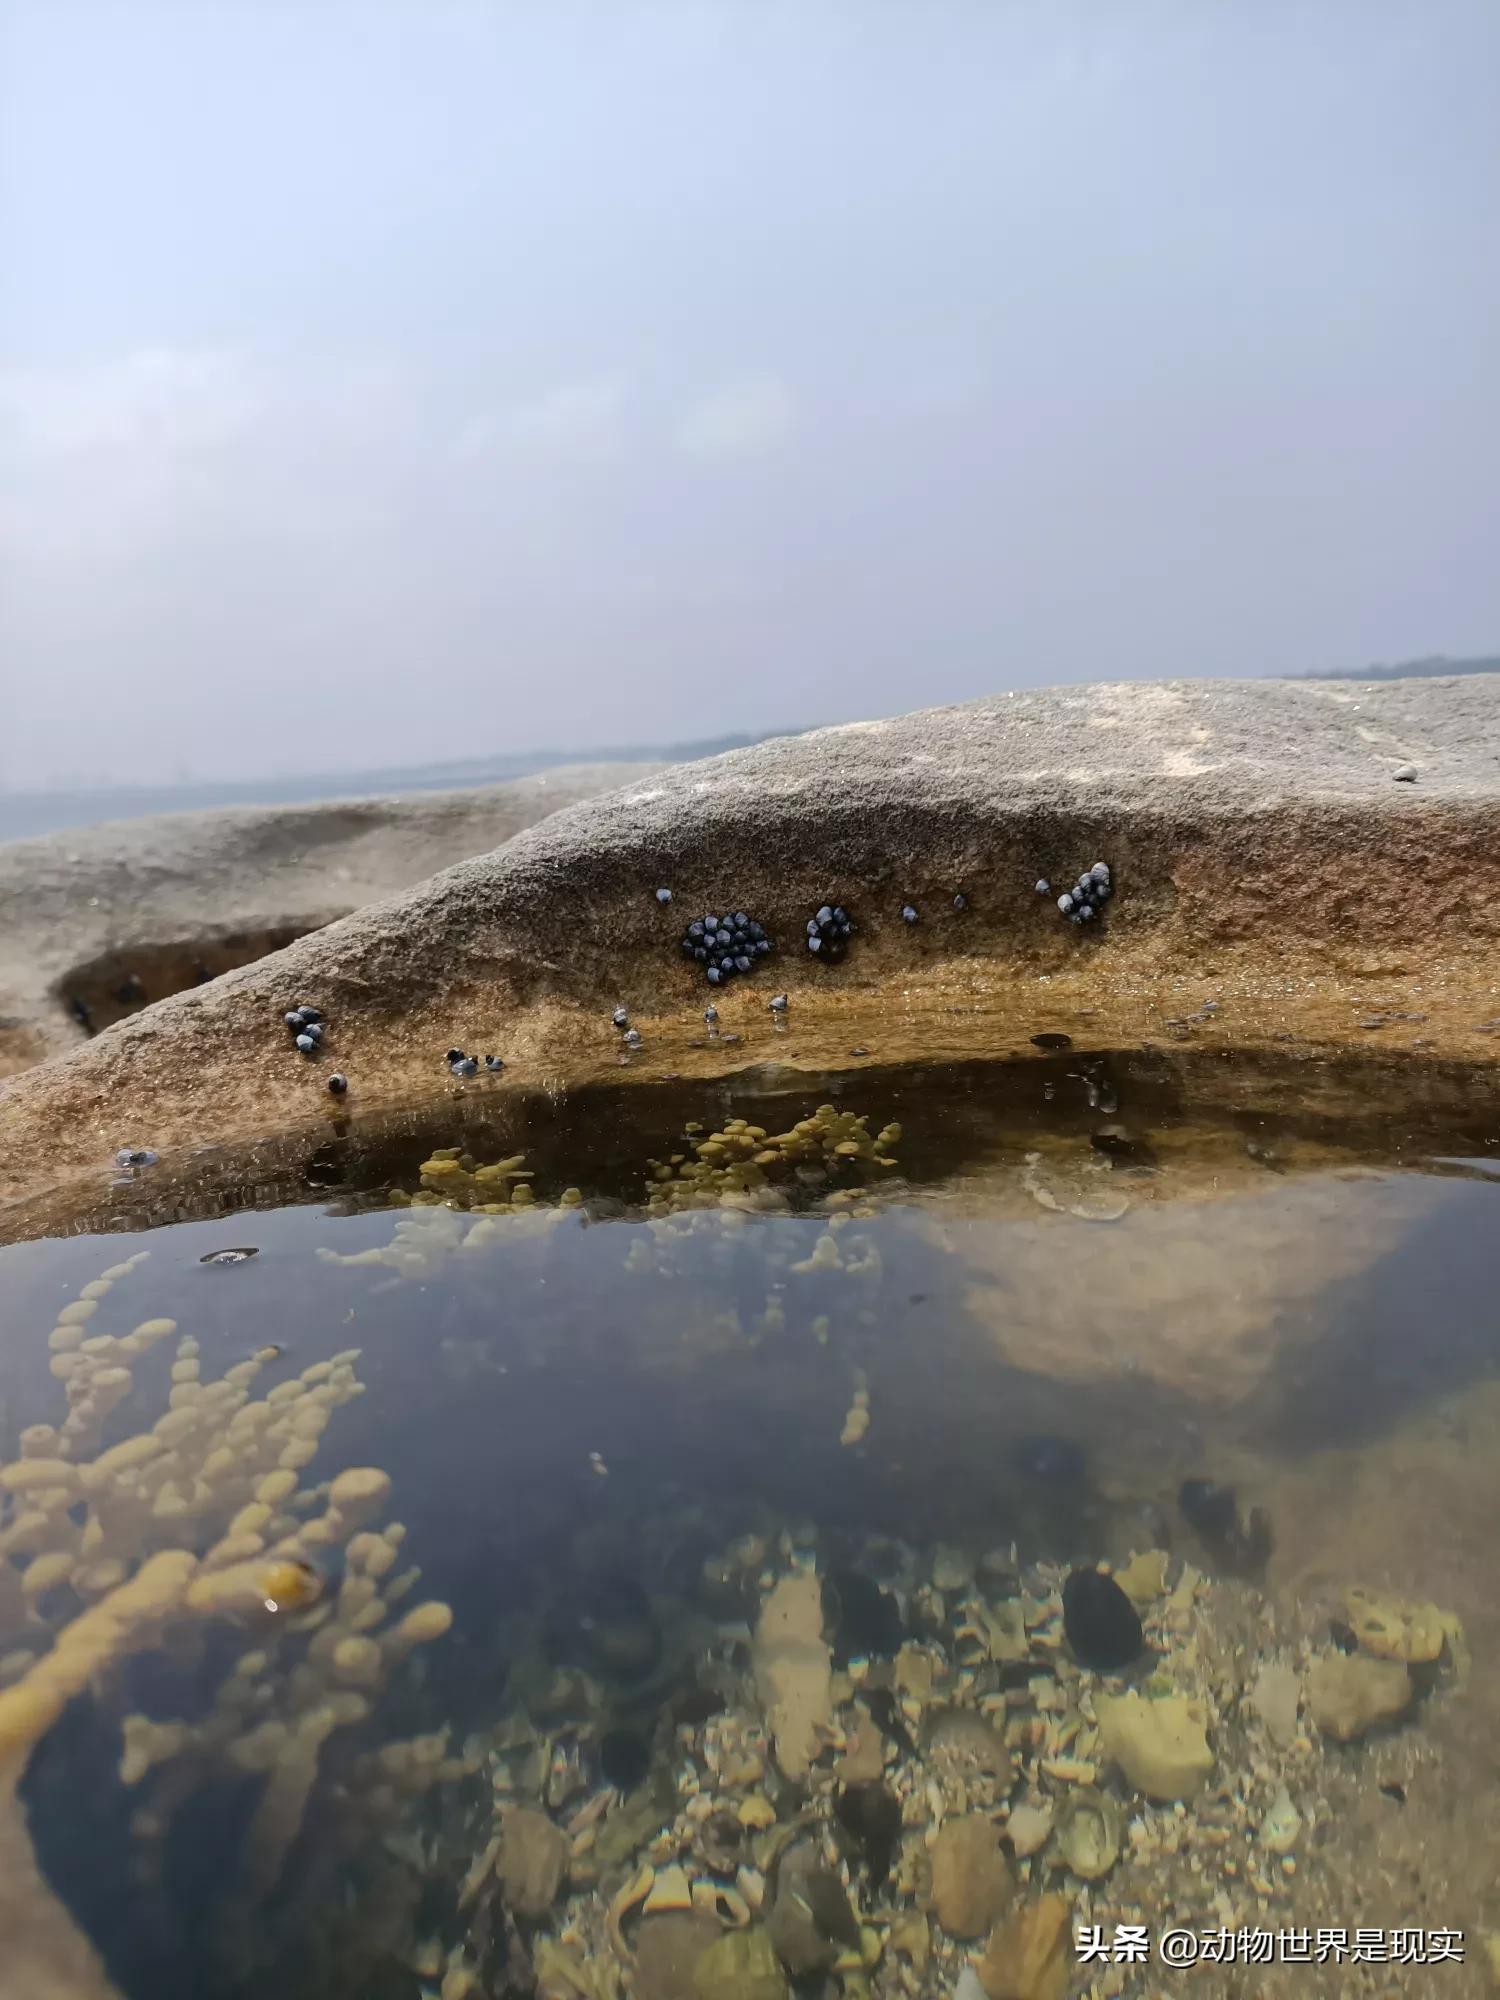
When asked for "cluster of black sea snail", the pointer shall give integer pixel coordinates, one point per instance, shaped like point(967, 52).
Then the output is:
point(1088, 895)
point(724, 945)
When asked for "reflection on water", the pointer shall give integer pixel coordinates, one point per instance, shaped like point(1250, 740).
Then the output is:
point(635, 1562)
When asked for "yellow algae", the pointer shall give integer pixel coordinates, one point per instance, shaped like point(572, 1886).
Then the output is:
point(421, 1625)
point(34, 1475)
point(1393, 1628)
point(207, 1481)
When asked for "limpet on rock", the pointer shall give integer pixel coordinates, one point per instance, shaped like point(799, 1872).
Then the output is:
point(1087, 1834)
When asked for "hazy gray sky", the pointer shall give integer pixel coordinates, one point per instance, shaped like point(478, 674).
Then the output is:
point(396, 381)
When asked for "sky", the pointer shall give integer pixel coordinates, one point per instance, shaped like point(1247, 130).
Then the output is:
point(421, 379)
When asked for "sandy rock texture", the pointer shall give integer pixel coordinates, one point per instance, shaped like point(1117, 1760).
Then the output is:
point(1263, 856)
point(172, 898)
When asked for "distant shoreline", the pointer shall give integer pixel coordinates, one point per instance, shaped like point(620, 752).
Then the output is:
point(26, 815)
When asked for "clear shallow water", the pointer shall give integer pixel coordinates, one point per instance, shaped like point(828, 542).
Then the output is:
point(952, 1377)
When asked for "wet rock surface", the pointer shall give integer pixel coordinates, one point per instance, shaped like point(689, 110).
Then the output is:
point(1348, 1695)
point(1030, 1956)
point(667, 1953)
point(812, 1920)
point(1160, 1745)
point(1235, 858)
point(793, 1666)
point(533, 1861)
point(972, 1883)
point(105, 920)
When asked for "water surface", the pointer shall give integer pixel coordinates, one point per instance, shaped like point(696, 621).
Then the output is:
point(938, 1369)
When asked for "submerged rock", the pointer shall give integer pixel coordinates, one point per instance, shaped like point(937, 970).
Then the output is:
point(794, 1671)
point(532, 1862)
point(812, 1921)
point(1394, 1629)
point(667, 1951)
point(670, 1893)
point(1161, 1746)
point(741, 1966)
point(1274, 1696)
point(1030, 1957)
point(1349, 1694)
point(1028, 1829)
point(1144, 1577)
point(962, 1742)
point(972, 1883)
point(1102, 1626)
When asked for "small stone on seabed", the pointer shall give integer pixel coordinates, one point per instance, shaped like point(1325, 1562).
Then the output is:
point(620, 1018)
point(960, 901)
point(465, 1066)
point(1044, 887)
point(711, 1015)
point(664, 895)
point(908, 914)
point(778, 1003)
point(338, 1083)
point(307, 1045)
point(632, 1038)
point(494, 1064)
point(1405, 774)
point(135, 1156)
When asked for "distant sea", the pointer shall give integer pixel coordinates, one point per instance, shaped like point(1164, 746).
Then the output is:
point(26, 814)
point(23, 815)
